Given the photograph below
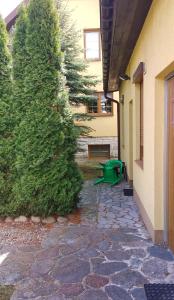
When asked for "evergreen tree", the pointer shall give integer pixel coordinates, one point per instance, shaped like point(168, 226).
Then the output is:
point(20, 59)
point(48, 180)
point(6, 120)
point(81, 86)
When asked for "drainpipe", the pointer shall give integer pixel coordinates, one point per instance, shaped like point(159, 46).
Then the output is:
point(118, 120)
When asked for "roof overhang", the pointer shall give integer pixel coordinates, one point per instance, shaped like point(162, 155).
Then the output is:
point(121, 24)
point(11, 18)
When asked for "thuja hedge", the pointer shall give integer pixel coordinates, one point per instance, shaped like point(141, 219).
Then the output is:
point(6, 119)
point(46, 178)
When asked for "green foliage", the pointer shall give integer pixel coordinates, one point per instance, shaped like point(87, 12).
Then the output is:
point(43, 73)
point(47, 179)
point(20, 60)
point(6, 119)
point(81, 86)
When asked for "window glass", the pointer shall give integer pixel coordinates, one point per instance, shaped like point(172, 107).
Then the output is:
point(106, 106)
point(101, 105)
point(99, 151)
point(92, 44)
point(93, 107)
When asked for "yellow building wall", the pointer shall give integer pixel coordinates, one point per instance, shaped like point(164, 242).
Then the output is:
point(155, 47)
point(86, 14)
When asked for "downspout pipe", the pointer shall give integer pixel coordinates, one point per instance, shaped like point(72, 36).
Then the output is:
point(118, 120)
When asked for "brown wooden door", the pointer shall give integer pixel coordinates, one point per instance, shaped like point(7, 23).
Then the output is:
point(171, 163)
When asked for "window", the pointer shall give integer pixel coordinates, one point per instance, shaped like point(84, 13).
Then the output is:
point(101, 105)
point(99, 151)
point(92, 44)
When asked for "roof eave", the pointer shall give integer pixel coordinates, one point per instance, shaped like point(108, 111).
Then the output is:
point(11, 18)
point(121, 24)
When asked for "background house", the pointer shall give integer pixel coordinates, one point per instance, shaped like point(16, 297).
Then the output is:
point(141, 35)
point(102, 142)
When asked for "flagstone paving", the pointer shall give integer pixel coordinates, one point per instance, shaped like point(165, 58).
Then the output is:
point(106, 255)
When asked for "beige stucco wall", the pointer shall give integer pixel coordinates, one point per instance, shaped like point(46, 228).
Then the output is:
point(155, 47)
point(86, 14)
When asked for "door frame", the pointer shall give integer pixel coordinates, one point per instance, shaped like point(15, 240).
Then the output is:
point(165, 155)
point(131, 137)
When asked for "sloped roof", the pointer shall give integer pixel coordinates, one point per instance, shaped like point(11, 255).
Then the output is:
point(11, 18)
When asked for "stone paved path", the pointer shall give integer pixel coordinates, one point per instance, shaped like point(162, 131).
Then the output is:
point(109, 255)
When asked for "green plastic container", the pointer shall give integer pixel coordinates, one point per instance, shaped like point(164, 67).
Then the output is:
point(112, 172)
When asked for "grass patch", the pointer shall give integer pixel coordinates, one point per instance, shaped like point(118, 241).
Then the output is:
point(6, 291)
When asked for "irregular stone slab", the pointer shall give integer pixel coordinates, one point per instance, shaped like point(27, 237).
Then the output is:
point(117, 293)
point(103, 245)
point(119, 236)
point(50, 297)
point(129, 278)
point(115, 235)
point(118, 255)
point(116, 246)
point(42, 267)
point(139, 293)
point(137, 244)
point(47, 254)
point(70, 270)
point(69, 236)
point(35, 219)
point(93, 295)
point(79, 243)
point(96, 281)
point(95, 236)
point(21, 219)
point(135, 262)
point(155, 268)
point(97, 260)
point(160, 252)
point(67, 250)
point(12, 273)
point(36, 289)
point(71, 290)
point(109, 267)
point(54, 296)
point(139, 253)
point(56, 234)
point(87, 253)
point(49, 220)
point(79, 230)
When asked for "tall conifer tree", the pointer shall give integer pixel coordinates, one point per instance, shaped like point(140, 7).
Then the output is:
point(6, 120)
point(48, 180)
point(20, 60)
